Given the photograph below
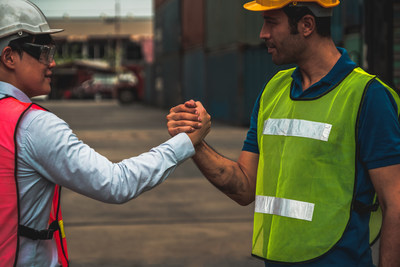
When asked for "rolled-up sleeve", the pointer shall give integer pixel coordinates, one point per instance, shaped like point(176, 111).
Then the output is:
point(54, 151)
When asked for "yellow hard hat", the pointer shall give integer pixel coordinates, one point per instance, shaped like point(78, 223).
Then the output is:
point(265, 5)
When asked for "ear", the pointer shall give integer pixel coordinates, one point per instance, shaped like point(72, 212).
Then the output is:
point(307, 25)
point(9, 57)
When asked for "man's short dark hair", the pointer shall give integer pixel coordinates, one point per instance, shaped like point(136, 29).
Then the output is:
point(295, 13)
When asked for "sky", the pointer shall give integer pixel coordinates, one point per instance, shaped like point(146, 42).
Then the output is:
point(94, 8)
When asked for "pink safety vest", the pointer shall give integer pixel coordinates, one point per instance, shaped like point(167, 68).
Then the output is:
point(11, 112)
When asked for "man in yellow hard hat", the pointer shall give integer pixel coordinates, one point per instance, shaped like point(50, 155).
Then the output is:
point(324, 140)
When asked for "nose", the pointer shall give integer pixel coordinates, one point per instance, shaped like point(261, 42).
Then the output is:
point(264, 33)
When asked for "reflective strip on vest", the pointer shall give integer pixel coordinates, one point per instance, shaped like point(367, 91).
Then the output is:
point(299, 128)
point(284, 207)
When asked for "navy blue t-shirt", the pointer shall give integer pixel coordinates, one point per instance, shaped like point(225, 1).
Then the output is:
point(379, 143)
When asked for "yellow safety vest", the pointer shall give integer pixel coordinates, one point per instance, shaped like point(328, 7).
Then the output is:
point(307, 168)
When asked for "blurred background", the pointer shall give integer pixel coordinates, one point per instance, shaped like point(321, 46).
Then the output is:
point(162, 52)
point(157, 54)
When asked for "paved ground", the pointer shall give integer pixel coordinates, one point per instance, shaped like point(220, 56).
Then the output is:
point(183, 222)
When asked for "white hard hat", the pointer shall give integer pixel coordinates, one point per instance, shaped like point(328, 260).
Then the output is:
point(19, 18)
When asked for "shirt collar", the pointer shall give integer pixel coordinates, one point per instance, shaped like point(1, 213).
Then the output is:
point(10, 90)
point(342, 68)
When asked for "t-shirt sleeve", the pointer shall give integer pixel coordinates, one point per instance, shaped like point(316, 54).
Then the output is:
point(251, 143)
point(379, 128)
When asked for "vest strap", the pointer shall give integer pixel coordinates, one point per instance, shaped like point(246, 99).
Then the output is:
point(362, 208)
point(38, 234)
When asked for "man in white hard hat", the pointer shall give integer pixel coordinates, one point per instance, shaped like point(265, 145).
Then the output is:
point(39, 153)
point(324, 138)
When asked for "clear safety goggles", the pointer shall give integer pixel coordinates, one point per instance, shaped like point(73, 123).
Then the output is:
point(43, 53)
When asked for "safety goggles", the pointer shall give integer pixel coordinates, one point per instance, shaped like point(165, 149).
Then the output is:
point(43, 53)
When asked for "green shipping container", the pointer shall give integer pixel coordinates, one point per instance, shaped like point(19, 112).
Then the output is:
point(227, 22)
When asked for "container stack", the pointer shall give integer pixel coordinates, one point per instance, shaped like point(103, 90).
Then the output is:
point(167, 69)
point(210, 50)
point(352, 23)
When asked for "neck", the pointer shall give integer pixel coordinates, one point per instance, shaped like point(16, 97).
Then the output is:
point(8, 77)
point(318, 61)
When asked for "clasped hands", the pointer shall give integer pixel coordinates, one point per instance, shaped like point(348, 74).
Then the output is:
point(191, 118)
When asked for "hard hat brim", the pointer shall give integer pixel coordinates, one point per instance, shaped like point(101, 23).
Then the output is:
point(254, 6)
point(55, 31)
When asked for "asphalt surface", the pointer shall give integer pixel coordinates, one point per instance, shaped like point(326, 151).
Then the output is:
point(183, 222)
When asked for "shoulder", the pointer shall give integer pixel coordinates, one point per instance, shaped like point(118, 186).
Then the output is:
point(379, 94)
point(41, 127)
point(42, 119)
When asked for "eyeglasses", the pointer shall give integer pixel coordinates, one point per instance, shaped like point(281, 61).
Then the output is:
point(43, 53)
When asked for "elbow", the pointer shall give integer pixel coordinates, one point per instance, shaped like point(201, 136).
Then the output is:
point(118, 201)
point(243, 200)
point(243, 203)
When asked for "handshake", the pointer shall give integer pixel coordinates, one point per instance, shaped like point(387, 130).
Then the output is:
point(191, 118)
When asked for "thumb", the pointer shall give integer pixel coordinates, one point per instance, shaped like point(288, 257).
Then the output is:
point(190, 104)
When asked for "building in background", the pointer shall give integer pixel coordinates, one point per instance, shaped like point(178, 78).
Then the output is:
point(105, 47)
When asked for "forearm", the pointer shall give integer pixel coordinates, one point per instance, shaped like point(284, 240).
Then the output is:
point(227, 175)
point(390, 239)
point(71, 163)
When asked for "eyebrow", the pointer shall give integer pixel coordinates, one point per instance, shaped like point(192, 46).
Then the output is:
point(269, 18)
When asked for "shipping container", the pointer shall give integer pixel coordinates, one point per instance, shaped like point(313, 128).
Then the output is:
point(158, 3)
point(158, 38)
point(258, 69)
point(227, 22)
point(192, 23)
point(223, 74)
point(167, 32)
point(194, 75)
point(352, 13)
point(149, 86)
point(235, 77)
point(337, 25)
point(168, 80)
point(353, 43)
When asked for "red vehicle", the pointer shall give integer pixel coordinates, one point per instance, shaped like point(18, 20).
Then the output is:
point(102, 86)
